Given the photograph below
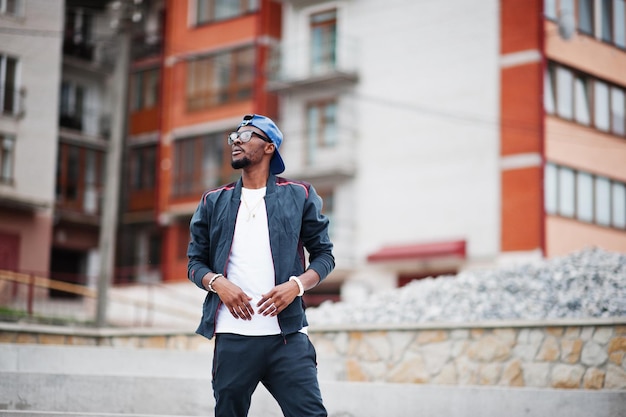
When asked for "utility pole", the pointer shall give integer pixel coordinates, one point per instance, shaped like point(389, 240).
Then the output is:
point(124, 13)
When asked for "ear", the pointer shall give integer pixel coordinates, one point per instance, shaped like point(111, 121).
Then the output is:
point(269, 148)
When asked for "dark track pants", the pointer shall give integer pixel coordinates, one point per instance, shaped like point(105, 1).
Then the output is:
point(286, 366)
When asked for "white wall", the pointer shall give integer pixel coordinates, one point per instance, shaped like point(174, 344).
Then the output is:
point(426, 110)
point(36, 40)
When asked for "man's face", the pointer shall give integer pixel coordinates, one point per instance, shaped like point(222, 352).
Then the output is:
point(246, 154)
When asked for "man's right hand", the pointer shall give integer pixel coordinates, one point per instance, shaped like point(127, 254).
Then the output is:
point(233, 297)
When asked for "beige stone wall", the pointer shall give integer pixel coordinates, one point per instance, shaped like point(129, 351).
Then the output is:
point(582, 356)
point(573, 354)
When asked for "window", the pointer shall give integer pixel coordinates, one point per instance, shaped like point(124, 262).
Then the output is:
point(566, 192)
point(7, 152)
point(321, 126)
point(549, 9)
point(584, 99)
point(619, 205)
point(607, 27)
point(581, 101)
point(323, 41)
point(565, 96)
point(200, 163)
point(12, 7)
point(618, 110)
point(72, 106)
point(551, 189)
point(143, 168)
point(211, 10)
point(584, 196)
point(619, 22)
point(78, 37)
point(601, 112)
point(79, 178)
point(9, 90)
point(219, 79)
point(549, 100)
point(603, 198)
point(585, 16)
point(144, 91)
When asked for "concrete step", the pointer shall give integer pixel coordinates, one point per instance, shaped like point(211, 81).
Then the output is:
point(92, 381)
point(94, 360)
point(70, 414)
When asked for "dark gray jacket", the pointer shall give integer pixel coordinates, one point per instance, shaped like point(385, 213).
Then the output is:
point(295, 221)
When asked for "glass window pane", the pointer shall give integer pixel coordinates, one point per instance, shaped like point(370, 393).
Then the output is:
point(619, 22)
point(549, 9)
point(607, 30)
point(618, 105)
point(603, 201)
point(202, 11)
point(253, 5)
point(567, 6)
point(330, 124)
point(225, 9)
point(550, 189)
point(584, 197)
point(619, 205)
point(566, 192)
point(565, 81)
point(582, 101)
point(10, 85)
point(6, 158)
point(313, 131)
point(548, 90)
point(601, 108)
point(585, 16)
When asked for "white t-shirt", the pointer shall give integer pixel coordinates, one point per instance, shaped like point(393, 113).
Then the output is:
point(250, 266)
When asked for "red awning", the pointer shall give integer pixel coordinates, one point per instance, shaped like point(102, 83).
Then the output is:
point(454, 248)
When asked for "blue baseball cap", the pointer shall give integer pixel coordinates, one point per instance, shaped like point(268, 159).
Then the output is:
point(272, 132)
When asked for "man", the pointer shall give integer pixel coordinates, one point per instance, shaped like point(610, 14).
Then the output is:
point(247, 251)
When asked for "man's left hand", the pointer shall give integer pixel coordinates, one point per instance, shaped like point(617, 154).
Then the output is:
point(278, 298)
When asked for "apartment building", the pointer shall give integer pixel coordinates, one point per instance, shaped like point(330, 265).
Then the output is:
point(563, 134)
point(31, 33)
point(391, 109)
point(456, 135)
point(184, 101)
point(87, 99)
point(140, 238)
point(584, 104)
point(446, 136)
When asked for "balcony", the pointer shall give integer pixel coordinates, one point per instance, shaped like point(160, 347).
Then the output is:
point(326, 165)
point(306, 66)
point(11, 100)
point(81, 50)
point(146, 46)
point(88, 122)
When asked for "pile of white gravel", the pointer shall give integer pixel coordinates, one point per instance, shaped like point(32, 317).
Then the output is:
point(586, 284)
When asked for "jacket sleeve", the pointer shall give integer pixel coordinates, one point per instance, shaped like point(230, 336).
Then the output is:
point(198, 249)
point(314, 235)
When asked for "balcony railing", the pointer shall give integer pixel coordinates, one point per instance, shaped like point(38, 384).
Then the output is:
point(89, 121)
point(303, 64)
point(80, 50)
point(144, 46)
point(11, 100)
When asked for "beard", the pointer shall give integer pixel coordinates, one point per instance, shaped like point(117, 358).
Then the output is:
point(240, 163)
